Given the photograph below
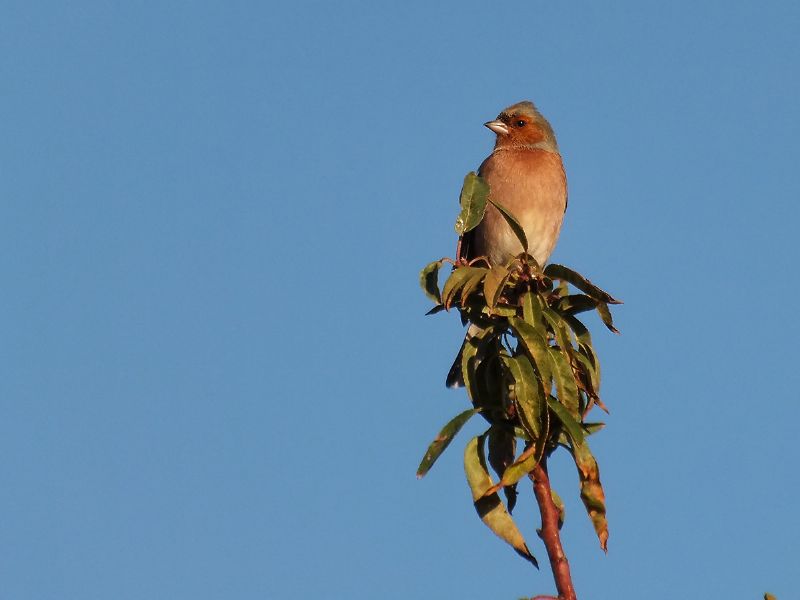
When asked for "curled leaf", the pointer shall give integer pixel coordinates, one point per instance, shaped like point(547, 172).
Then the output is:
point(489, 507)
point(592, 493)
point(605, 316)
point(429, 281)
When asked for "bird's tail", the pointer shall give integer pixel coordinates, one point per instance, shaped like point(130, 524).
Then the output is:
point(455, 377)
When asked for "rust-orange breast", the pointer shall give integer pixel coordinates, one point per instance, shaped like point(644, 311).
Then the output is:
point(532, 185)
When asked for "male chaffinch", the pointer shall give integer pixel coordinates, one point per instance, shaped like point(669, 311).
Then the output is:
point(526, 176)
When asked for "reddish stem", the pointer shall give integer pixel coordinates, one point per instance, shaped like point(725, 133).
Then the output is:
point(549, 534)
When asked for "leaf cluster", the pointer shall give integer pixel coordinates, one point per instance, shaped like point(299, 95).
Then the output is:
point(530, 370)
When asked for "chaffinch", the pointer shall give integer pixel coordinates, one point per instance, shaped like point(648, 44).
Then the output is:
point(526, 176)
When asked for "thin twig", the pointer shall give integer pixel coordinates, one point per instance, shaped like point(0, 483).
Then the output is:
point(549, 533)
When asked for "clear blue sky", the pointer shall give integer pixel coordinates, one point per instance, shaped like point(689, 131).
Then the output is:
point(217, 379)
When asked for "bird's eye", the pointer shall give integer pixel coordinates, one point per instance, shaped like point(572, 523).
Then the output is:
point(520, 123)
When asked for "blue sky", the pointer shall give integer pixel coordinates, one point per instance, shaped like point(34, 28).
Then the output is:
point(217, 379)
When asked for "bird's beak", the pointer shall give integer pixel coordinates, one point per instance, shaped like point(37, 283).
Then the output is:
point(498, 127)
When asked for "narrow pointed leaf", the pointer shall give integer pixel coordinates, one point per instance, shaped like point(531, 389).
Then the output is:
point(493, 284)
point(429, 281)
point(529, 395)
point(581, 333)
point(532, 312)
point(579, 281)
point(571, 425)
point(605, 316)
point(457, 280)
point(470, 359)
point(490, 508)
point(557, 324)
point(536, 347)
point(576, 303)
point(591, 428)
point(473, 197)
point(520, 467)
point(513, 223)
point(501, 310)
point(592, 493)
point(472, 283)
point(442, 441)
point(566, 388)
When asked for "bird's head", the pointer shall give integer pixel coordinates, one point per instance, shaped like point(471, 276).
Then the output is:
point(522, 125)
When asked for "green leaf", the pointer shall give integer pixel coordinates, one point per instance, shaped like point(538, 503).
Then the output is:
point(429, 281)
point(457, 280)
point(521, 467)
point(581, 333)
point(528, 393)
point(591, 428)
point(501, 310)
point(575, 303)
point(513, 223)
point(579, 281)
point(440, 443)
point(592, 493)
point(566, 388)
point(490, 508)
point(559, 503)
point(536, 347)
point(593, 380)
point(556, 322)
point(474, 194)
point(493, 284)
point(605, 316)
point(468, 361)
point(572, 426)
point(472, 283)
point(532, 312)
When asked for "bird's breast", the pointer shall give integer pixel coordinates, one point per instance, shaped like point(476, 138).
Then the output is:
point(532, 185)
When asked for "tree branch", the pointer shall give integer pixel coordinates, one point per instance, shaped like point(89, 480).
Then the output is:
point(549, 533)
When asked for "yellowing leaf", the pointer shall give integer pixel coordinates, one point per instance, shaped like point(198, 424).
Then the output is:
point(440, 443)
point(489, 507)
point(592, 493)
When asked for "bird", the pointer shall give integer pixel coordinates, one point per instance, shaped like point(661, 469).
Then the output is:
point(526, 176)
